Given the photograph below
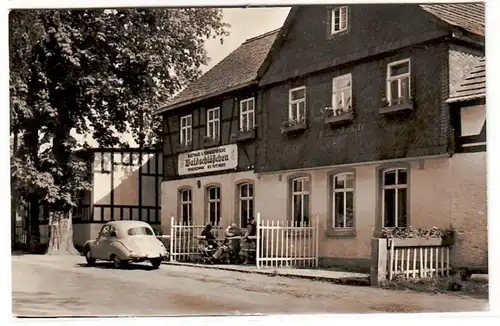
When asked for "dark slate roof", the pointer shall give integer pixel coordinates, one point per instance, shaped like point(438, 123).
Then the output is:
point(461, 64)
point(236, 70)
point(473, 86)
point(469, 16)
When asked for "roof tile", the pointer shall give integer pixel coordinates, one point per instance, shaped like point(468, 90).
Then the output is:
point(469, 16)
point(238, 68)
point(473, 85)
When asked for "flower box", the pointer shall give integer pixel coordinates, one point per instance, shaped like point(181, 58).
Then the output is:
point(210, 142)
point(421, 242)
point(244, 135)
point(182, 148)
point(293, 126)
point(405, 106)
point(335, 120)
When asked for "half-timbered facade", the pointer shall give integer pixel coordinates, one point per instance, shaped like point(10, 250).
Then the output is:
point(125, 186)
point(210, 133)
point(357, 128)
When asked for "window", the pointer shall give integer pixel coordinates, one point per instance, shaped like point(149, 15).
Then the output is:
point(186, 209)
point(213, 123)
point(247, 114)
point(300, 201)
point(398, 82)
point(342, 94)
point(343, 200)
point(297, 104)
point(394, 198)
point(186, 130)
point(339, 19)
point(213, 209)
point(142, 230)
point(245, 203)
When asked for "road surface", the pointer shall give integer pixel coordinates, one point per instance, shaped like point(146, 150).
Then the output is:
point(66, 286)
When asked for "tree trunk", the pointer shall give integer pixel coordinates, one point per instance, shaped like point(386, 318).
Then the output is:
point(61, 234)
point(13, 197)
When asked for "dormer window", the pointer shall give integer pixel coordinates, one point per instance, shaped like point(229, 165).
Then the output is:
point(339, 20)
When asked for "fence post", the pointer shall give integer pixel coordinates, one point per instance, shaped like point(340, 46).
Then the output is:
point(257, 244)
point(378, 270)
point(172, 220)
point(317, 242)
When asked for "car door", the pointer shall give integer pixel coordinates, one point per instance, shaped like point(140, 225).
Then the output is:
point(102, 243)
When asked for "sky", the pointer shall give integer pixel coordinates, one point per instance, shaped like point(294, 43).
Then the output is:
point(245, 23)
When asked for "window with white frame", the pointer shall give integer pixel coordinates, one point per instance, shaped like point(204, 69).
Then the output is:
point(186, 135)
point(213, 123)
point(245, 203)
point(213, 201)
point(395, 198)
point(297, 104)
point(186, 206)
point(343, 200)
point(339, 19)
point(247, 114)
point(300, 201)
point(342, 94)
point(398, 82)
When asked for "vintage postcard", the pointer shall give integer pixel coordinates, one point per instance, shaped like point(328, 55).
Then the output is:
point(301, 159)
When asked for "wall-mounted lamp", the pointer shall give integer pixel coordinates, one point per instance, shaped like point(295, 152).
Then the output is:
point(198, 183)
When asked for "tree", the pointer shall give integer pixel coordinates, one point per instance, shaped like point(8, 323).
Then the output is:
point(99, 73)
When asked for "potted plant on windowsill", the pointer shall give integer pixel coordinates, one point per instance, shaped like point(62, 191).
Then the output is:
point(338, 116)
point(244, 134)
point(402, 104)
point(293, 125)
point(210, 141)
point(409, 237)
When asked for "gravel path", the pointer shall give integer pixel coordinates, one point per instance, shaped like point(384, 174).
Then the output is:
point(62, 286)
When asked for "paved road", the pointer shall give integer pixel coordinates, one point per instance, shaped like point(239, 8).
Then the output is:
point(62, 286)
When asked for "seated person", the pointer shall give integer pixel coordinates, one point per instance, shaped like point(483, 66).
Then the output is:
point(209, 236)
point(249, 244)
point(234, 231)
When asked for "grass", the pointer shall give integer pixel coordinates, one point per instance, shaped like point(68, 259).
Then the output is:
point(470, 287)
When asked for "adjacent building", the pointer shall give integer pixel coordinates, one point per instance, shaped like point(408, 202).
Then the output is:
point(210, 136)
point(360, 117)
point(125, 186)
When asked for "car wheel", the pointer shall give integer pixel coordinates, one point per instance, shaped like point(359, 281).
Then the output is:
point(117, 262)
point(88, 257)
point(156, 262)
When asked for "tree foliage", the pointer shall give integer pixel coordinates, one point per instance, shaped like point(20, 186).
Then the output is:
point(99, 73)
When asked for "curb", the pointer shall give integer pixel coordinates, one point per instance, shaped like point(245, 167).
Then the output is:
point(271, 273)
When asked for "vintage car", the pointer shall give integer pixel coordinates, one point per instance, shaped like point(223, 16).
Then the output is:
point(125, 241)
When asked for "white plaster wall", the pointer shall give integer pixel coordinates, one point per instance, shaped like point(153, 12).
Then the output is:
point(444, 192)
point(170, 192)
point(469, 209)
point(429, 203)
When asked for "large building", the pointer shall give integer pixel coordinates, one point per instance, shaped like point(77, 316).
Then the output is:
point(349, 114)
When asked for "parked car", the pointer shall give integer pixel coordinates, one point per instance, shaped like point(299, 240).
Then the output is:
point(125, 241)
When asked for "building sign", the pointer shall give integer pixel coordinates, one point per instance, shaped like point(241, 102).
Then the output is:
point(208, 160)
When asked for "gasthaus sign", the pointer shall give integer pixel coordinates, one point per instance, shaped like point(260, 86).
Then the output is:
point(208, 160)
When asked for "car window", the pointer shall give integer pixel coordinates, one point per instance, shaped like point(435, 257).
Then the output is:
point(112, 231)
point(140, 230)
point(104, 231)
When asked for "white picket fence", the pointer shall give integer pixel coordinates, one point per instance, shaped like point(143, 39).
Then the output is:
point(183, 239)
point(278, 243)
point(418, 262)
point(283, 244)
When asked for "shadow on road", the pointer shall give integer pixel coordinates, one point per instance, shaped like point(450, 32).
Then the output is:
point(106, 265)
